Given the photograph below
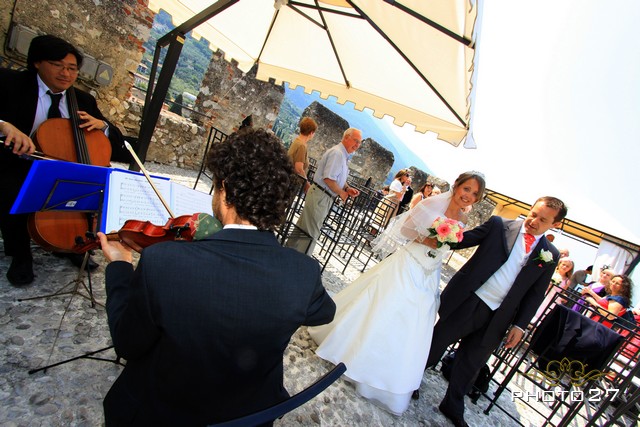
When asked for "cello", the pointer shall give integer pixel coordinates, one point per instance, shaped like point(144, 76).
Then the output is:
point(63, 139)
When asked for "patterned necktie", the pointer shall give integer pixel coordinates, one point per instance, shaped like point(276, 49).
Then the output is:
point(54, 110)
point(528, 241)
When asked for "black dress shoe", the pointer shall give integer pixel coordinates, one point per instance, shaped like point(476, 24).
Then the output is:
point(415, 395)
point(456, 420)
point(20, 271)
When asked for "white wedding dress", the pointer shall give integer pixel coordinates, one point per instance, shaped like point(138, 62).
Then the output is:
point(384, 320)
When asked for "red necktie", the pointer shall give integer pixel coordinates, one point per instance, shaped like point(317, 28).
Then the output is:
point(528, 241)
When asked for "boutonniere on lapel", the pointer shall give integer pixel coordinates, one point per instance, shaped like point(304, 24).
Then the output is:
point(545, 257)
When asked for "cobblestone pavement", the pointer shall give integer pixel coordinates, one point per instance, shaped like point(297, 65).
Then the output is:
point(38, 332)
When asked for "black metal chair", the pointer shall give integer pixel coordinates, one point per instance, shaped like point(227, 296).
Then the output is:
point(310, 173)
point(341, 244)
point(215, 136)
point(549, 360)
point(298, 399)
point(336, 230)
point(293, 209)
point(374, 220)
point(619, 396)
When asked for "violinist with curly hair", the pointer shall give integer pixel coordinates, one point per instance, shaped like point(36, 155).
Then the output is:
point(203, 325)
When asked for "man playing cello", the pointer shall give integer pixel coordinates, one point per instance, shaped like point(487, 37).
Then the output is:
point(28, 99)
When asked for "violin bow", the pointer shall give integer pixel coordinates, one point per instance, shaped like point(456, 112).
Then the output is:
point(35, 155)
point(146, 174)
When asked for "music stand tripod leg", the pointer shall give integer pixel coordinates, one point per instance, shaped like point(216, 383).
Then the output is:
point(76, 283)
point(83, 356)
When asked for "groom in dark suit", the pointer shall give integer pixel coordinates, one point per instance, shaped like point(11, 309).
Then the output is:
point(498, 289)
point(203, 325)
point(52, 66)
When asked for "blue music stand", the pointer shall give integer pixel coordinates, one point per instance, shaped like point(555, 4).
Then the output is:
point(63, 186)
point(53, 185)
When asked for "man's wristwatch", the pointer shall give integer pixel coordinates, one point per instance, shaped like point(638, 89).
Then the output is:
point(106, 125)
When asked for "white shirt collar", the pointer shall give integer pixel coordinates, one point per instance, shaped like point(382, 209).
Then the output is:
point(240, 227)
point(43, 88)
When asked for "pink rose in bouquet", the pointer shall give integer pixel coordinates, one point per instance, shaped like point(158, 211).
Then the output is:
point(447, 231)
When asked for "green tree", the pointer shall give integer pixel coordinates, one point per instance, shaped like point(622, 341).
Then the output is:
point(193, 61)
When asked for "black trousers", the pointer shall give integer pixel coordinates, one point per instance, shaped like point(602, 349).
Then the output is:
point(468, 326)
point(15, 235)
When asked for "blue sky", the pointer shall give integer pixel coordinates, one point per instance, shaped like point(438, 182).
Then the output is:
point(556, 109)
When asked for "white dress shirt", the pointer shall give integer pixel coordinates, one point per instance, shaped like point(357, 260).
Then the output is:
point(494, 290)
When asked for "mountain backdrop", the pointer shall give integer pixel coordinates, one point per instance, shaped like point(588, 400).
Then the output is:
point(296, 101)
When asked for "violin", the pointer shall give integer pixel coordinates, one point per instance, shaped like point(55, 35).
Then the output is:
point(141, 234)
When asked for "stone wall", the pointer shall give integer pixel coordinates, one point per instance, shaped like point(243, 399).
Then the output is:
point(418, 178)
point(371, 159)
point(228, 95)
point(176, 141)
point(111, 31)
point(479, 214)
point(330, 129)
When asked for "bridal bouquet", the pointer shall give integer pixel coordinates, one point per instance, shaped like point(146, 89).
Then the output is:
point(447, 232)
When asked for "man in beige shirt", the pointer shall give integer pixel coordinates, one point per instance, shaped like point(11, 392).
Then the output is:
point(298, 150)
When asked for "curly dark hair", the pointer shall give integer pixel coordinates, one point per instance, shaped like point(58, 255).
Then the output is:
point(258, 176)
point(627, 285)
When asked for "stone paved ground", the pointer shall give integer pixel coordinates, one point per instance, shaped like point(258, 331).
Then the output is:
point(38, 332)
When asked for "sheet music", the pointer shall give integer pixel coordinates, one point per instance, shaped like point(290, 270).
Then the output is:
point(130, 196)
point(187, 201)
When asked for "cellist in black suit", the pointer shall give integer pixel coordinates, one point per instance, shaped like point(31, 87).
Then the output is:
point(52, 66)
point(498, 289)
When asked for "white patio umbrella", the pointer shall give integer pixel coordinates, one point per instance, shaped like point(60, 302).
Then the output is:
point(409, 59)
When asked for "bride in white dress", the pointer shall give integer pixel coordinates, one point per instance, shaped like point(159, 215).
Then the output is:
point(384, 320)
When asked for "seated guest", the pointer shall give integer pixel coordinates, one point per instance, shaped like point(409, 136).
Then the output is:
point(382, 192)
point(423, 193)
point(580, 277)
point(559, 282)
point(601, 287)
point(616, 303)
point(203, 325)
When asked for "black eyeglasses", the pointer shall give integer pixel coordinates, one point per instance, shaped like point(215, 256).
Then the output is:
point(59, 66)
